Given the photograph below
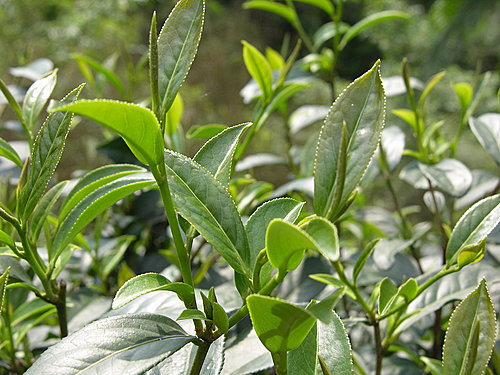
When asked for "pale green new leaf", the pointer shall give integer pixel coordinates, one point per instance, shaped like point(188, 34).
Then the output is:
point(93, 180)
point(147, 283)
point(216, 155)
point(281, 326)
point(38, 94)
point(370, 21)
point(429, 86)
point(277, 8)
point(45, 155)
point(137, 125)
point(474, 225)
point(174, 115)
point(220, 317)
point(283, 208)
point(8, 152)
point(325, 235)
point(361, 107)
point(94, 204)
point(208, 206)
point(258, 67)
point(177, 46)
point(125, 344)
point(471, 334)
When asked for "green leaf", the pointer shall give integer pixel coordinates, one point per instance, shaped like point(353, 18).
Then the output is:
point(325, 5)
point(174, 115)
point(302, 361)
point(281, 326)
point(474, 225)
point(286, 244)
point(433, 81)
point(8, 152)
point(272, 7)
point(387, 291)
point(217, 154)
point(471, 253)
point(208, 206)
point(97, 66)
point(486, 128)
point(327, 31)
point(361, 106)
point(465, 93)
point(6, 239)
point(361, 261)
point(325, 235)
point(177, 46)
point(111, 259)
point(471, 335)
point(137, 125)
point(323, 310)
point(408, 116)
point(36, 97)
point(370, 21)
point(42, 209)
point(403, 295)
point(93, 205)
point(283, 208)
point(126, 344)
point(191, 314)
point(276, 61)
point(205, 131)
point(258, 67)
point(45, 155)
point(449, 175)
point(93, 180)
point(3, 282)
point(220, 317)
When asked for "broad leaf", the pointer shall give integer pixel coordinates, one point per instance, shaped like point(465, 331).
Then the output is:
point(207, 205)
point(471, 334)
point(8, 152)
point(150, 282)
point(449, 175)
point(302, 361)
point(281, 326)
point(325, 235)
point(46, 153)
point(38, 94)
point(361, 107)
point(137, 125)
point(258, 67)
point(370, 21)
point(486, 128)
point(474, 225)
point(93, 180)
point(217, 154)
point(93, 205)
point(284, 208)
point(127, 344)
point(177, 46)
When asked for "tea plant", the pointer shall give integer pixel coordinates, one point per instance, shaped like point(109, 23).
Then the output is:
point(264, 252)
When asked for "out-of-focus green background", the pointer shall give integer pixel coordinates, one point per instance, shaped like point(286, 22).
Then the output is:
point(459, 36)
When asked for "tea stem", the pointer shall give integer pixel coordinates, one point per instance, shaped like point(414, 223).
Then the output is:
point(201, 354)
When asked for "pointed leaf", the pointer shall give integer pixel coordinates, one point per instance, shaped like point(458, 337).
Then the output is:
point(45, 155)
point(471, 335)
point(137, 125)
point(217, 154)
point(3, 283)
point(94, 204)
point(8, 152)
point(474, 225)
point(208, 206)
point(361, 106)
point(486, 128)
point(283, 208)
point(220, 317)
point(177, 46)
point(280, 325)
point(38, 94)
point(174, 115)
point(125, 344)
point(191, 314)
point(449, 175)
point(258, 67)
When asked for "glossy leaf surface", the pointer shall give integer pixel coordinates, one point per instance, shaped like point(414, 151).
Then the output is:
point(486, 128)
point(258, 67)
point(38, 94)
point(449, 175)
point(325, 235)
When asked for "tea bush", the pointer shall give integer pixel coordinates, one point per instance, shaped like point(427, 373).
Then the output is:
point(308, 278)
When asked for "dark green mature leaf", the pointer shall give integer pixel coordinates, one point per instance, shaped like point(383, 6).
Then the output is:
point(258, 67)
point(280, 325)
point(46, 153)
point(43, 208)
point(370, 21)
point(220, 317)
point(302, 361)
point(36, 97)
point(94, 204)
point(177, 46)
point(8, 152)
point(217, 154)
point(449, 175)
point(150, 282)
point(93, 180)
point(208, 206)
point(486, 128)
point(474, 225)
point(3, 282)
point(361, 106)
point(125, 344)
point(471, 335)
point(283, 208)
point(137, 125)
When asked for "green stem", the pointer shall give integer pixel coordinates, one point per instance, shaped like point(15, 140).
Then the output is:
point(280, 360)
point(201, 354)
point(8, 331)
point(378, 349)
point(61, 310)
point(259, 263)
